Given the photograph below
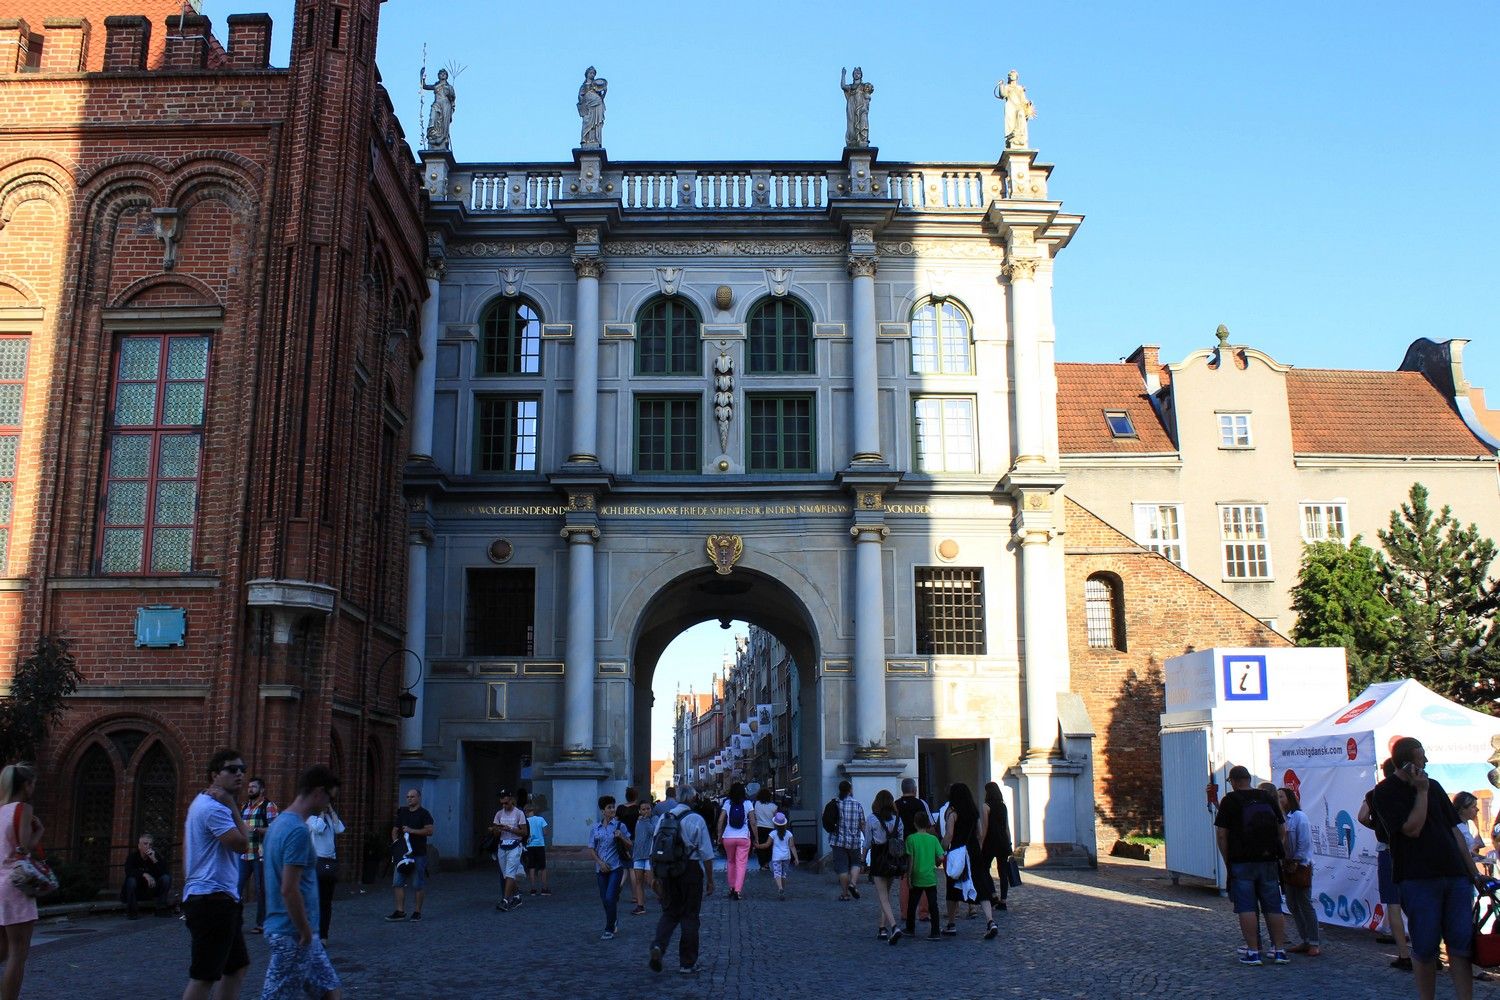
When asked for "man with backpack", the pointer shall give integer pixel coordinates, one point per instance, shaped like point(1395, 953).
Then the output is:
point(1251, 832)
point(682, 866)
point(844, 822)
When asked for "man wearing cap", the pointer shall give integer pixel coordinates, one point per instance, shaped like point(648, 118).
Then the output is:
point(1251, 832)
point(682, 896)
point(511, 826)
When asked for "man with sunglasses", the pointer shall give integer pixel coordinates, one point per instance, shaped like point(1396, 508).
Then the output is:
point(215, 836)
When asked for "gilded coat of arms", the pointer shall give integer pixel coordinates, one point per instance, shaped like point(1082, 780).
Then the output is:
point(724, 551)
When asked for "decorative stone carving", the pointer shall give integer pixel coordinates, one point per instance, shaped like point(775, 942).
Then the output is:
point(588, 267)
point(723, 396)
point(724, 551)
point(880, 531)
point(511, 280)
point(724, 248)
point(440, 120)
point(863, 237)
point(591, 109)
point(965, 249)
point(587, 235)
point(509, 248)
point(1020, 268)
point(723, 298)
point(570, 530)
point(778, 280)
point(668, 279)
point(582, 501)
point(869, 499)
point(857, 107)
point(164, 226)
point(863, 265)
point(1018, 111)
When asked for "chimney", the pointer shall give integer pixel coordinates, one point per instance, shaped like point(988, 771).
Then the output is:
point(15, 44)
point(187, 42)
point(249, 41)
point(1147, 359)
point(65, 48)
point(126, 39)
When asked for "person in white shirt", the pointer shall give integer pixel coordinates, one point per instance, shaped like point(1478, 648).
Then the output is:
point(324, 826)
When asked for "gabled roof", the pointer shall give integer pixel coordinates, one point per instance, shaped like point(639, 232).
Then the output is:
point(1086, 391)
point(1337, 412)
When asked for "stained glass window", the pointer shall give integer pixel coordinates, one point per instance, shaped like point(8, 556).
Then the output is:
point(13, 357)
point(155, 454)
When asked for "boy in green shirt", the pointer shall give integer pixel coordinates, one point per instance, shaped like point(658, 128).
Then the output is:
point(926, 853)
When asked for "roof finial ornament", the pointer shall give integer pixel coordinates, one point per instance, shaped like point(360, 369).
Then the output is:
point(1223, 334)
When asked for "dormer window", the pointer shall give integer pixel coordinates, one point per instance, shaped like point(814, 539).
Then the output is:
point(1119, 423)
point(1234, 430)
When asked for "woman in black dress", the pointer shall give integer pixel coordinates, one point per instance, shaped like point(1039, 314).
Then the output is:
point(962, 833)
point(994, 819)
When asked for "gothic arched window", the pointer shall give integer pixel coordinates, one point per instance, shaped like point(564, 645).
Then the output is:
point(510, 338)
point(940, 339)
point(156, 797)
point(780, 338)
point(666, 339)
point(94, 811)
point(1104, 611)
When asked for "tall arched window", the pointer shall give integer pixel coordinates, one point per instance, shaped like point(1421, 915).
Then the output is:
point(94, 811)
point(780, 338)
point(666, 339)
point(510, 338)
point(1104, 611)
point(156, 797)
point(940, 341)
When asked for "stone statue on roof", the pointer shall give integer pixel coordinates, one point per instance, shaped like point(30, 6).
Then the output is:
point(1018, 111)
point(440, 121)
point(857, 111)
point(591, 109)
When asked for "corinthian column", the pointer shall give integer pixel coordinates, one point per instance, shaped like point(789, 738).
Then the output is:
point(1043, 665)
point(869, 638)
point(588, 267)
point(426, 376)
point(862, 265)
point(416, 637)
point(1025, 319)
point(579, 666)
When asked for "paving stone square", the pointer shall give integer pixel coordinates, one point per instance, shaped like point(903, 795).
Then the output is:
point(1120, 931)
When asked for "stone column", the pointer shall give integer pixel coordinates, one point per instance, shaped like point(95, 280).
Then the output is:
point(1040, 665)
point(416, 638)
point(869, 639)
point(579, 666)
point(588, 266)
point(426, 376)
point(862, 265)
point(1026, 374)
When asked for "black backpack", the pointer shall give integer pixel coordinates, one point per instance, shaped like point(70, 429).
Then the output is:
point(1260, 828)
point(831, 816)
point(895, 841)
point(669, 852)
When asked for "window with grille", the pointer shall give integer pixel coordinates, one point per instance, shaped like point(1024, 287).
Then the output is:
point(950, 611)
point(781, 433)
point(154, 465)
point(1158, 527)
point(94, 811)
point(666, 339)
point(1247, 553)
point(940, 341)
point(666, 434)
point(505, 438)
point(780, 338)
point(501, 619)
point(510, 339)
point(14, 352)
point(1103, 611)
point(156, 797)
point(944, 431)
point(1234, 430)
point(1323, 522)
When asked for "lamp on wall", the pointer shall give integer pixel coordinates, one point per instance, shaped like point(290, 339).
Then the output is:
point(406, 701)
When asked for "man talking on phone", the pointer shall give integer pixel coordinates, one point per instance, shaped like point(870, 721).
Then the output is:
point(1434, 873)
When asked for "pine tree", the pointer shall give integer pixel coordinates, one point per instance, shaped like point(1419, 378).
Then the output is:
point(1338, 602)
point(1435, 575)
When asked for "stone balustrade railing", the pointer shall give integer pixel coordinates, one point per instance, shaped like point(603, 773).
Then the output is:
point(745, 187)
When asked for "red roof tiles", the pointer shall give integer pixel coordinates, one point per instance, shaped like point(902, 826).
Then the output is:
point(1336, 412)
point(1085, 391)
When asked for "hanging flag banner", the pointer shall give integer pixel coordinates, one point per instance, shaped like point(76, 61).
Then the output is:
point(763, 716)
point(745, 729)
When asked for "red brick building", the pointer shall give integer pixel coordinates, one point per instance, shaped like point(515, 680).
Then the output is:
point(211, 272)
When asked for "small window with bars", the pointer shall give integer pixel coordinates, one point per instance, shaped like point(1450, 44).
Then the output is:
point(1323, 522)
point(506, 434)
point(500, 617)
point(666, 339)
point(666, 434)
point(950, 611)
point(781, 433)
point(510, 339)
point(1104, 612)
point(14, 352)
point(1247, 551)
point(154, 465)
point(780, 338)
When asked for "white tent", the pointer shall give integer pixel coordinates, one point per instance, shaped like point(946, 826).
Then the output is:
point(1335, 761)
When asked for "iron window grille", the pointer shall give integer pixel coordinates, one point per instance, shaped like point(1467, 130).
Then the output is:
point(950, 611)
point(666, 339)
point(1103, 613)
point(511, 339)
point(780, 338)
point(501, 612)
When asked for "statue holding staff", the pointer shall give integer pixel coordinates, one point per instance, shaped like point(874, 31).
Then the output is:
point(440, 122)
point(591, 109)
point(857, 112)
point(1018, 111)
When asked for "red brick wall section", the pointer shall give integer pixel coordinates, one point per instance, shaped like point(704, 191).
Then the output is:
point(35, 12)
point(1167, 612)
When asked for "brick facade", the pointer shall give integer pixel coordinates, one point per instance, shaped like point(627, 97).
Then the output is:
point(276, 213)
point(1164, 612)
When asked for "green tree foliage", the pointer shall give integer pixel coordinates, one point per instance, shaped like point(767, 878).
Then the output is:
point(35, 702)
point(1435, 575)
point(1338, 602)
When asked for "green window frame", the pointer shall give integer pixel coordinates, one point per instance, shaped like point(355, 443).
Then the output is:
point(667, 339)
point(781, 430)
point(941, 339)
point(507, 433)
point(780, 338)
point(668, 432)
point(14, 354)
point(510, 338)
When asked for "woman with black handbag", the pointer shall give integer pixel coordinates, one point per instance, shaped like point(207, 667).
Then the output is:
point(1296, 873)
point(19, 831)
point(323, 827)
point(887, 858)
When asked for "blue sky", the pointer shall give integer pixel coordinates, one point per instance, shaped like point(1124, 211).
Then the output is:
point(1319, 177)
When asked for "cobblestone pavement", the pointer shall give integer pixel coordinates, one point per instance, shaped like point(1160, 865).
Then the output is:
point(1121, 931)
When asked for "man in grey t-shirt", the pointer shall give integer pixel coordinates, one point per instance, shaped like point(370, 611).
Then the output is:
point(682, 896)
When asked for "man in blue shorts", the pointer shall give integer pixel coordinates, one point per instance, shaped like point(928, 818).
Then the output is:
point(1251, 832)
point(299, 966)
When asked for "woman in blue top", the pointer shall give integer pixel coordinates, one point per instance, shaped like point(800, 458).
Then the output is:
point(1299, 852)
point(606, 840)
